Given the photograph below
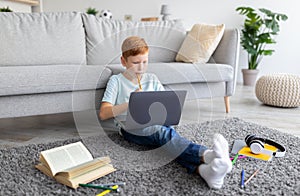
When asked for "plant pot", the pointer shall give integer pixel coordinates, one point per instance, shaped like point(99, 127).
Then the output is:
point(250, 76)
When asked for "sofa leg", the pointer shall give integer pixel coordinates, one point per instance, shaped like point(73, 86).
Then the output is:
point(227, 104)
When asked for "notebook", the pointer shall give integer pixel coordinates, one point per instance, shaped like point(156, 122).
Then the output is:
point(149, 108)
point(263, 156)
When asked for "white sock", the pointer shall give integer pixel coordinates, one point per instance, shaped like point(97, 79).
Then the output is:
point(215, 172)
point(217, 161)
point(208, 156)
point(219, 149)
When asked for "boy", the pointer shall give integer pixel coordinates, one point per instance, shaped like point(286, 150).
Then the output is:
point(212, 164)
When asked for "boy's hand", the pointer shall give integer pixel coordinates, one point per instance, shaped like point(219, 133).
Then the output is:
point(107, 110)
point(138, 90)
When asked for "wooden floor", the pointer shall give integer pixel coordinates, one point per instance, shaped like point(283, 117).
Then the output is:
point(39, 129)
point(246, 106)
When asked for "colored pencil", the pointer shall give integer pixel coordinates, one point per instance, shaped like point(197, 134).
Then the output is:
point(107, 191)
point(98, 187)
point(235, 158)
point(112, 184)
point(242, 178)
point(251, 176)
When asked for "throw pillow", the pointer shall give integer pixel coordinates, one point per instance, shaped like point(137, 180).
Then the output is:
point(200, 43)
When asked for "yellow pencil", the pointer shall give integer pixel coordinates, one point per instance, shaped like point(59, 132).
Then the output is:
point(139, 81)
point(107, 191)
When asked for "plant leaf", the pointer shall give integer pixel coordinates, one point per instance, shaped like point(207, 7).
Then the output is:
point(267, 52)
point(258, 31)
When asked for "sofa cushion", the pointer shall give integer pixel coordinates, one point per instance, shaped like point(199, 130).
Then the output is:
point(19, 80)
point(200, 43)
point(105, 37)
point(41, 39)
point(176, 73)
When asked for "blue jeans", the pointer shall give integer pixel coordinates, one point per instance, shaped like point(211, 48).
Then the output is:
point(187, 153)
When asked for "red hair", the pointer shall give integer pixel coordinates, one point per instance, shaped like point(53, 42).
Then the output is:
point(133, 46)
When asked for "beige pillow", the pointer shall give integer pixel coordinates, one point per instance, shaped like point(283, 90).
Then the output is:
point(200, 43)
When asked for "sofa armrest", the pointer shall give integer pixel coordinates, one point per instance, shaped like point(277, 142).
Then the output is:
point(227, 52)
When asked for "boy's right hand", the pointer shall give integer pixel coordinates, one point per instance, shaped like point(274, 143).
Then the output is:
point(138, 90)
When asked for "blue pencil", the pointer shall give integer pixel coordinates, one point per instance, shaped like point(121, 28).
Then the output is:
point(242, 178)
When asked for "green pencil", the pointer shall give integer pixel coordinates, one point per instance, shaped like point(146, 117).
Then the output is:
point(99, 187)
point(235, 158)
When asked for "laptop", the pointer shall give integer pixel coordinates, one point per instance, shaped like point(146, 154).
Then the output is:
point(149, 108)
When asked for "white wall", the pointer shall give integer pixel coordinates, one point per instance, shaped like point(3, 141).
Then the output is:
point(214, 11)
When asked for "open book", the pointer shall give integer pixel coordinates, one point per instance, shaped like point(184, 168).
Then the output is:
point(73, 164)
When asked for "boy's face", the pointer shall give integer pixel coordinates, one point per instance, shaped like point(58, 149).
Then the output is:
point(136, 64)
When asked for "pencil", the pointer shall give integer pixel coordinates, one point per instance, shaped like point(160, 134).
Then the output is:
point(235, 158)
point(112, 184)
point(242, 178)
point(139, 81)
point(251, 176)
point(239, 157)
point(107, 191)
point(98, 187)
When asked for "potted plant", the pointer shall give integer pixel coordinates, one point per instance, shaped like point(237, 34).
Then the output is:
point(259, 30)
point(92, 11)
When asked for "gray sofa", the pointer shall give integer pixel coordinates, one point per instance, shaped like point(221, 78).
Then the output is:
point(61, 62)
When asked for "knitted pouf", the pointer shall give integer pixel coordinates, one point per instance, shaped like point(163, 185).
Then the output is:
point(282, 90)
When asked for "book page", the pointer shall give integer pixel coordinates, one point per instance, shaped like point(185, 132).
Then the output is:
point(44, 169)
point(86, 177)
point(85, 167)
point(64, 157)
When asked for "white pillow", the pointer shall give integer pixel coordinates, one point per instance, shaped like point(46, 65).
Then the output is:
point(200, 43)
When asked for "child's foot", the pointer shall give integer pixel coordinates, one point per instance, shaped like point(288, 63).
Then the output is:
point(217, 161)
point(215, 172)
point(219, 149)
